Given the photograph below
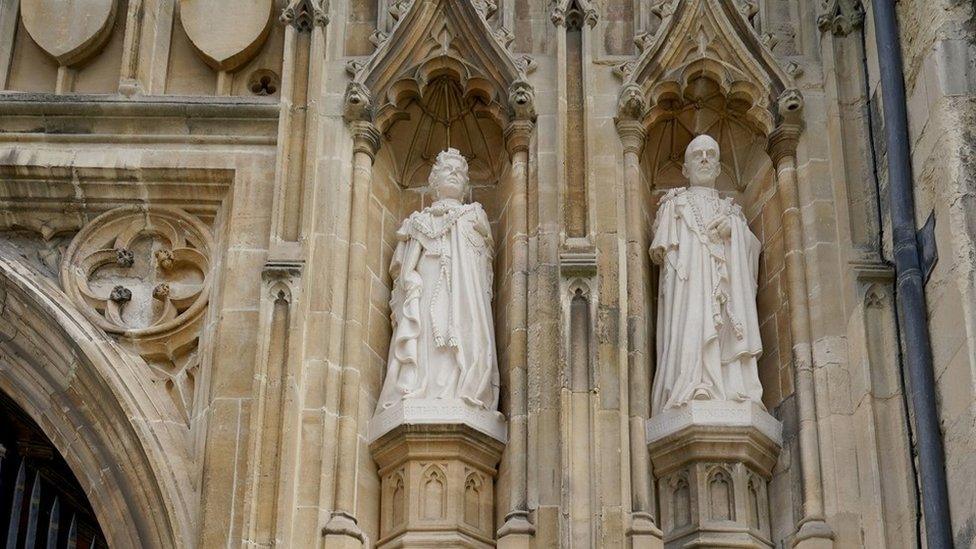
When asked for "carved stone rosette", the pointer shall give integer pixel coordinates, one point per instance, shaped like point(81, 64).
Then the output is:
point(437, 485)
point(143, 274)
point(712, 463)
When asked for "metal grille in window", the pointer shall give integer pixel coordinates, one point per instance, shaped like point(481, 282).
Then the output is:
point(41, 502)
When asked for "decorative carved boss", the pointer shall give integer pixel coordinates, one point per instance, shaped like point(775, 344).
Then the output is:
point(143, 273)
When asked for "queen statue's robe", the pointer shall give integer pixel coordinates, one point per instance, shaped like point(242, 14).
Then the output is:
point(707, 329)
point(443, 344)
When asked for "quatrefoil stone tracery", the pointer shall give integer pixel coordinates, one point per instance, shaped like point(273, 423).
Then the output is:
point(140, 272)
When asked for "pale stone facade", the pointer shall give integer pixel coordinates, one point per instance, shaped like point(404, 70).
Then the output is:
point(200, 201)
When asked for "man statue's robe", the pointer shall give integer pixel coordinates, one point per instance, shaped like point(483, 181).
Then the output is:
point(707, 329)
point(443, 344)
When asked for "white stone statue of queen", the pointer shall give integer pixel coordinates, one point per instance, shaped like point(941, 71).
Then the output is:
point(707, 328)
point(443, 345)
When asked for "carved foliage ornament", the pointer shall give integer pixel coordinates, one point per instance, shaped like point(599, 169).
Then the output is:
point(840, 16)
point(139, 271)
point(399, 7)
point(305, 14)
point(486, 8)
point(574, 13)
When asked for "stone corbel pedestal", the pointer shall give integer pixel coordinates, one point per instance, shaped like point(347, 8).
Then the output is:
point(712, 461)
point(437, 463)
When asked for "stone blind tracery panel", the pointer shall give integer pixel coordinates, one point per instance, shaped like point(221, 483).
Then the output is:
point(143, 273)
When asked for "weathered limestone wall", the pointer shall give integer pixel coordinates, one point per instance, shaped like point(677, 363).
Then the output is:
point(939, 46)
point(151, 114)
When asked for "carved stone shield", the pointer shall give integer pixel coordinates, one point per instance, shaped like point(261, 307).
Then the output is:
point(226, 34)
point(71, 31)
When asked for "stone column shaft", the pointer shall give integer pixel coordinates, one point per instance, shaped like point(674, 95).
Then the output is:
point(517, 522)
point(343, 522)
point(632, 135)
point(782, 151)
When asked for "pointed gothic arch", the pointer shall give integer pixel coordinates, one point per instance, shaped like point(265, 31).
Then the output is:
point(118, 435)
point(442, 78)
point(710, 39)
point(706, 71)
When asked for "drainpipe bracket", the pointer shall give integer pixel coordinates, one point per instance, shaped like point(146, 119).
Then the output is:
point(928, 250)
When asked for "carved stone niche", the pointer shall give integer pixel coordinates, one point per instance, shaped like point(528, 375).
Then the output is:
point(713, 461)
point(437, 485)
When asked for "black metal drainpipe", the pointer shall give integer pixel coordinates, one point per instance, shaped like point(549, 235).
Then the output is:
point(910, 280)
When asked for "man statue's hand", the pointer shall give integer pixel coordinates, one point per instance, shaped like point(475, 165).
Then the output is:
point(720, 229)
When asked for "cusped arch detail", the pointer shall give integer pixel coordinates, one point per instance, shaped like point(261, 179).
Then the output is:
point(96, 404)
point(437, 38)
point(709, 40)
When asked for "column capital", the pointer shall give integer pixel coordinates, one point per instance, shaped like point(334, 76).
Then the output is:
point(632, 134)
point(517, 135)
point(782, 142)
point(365, 137)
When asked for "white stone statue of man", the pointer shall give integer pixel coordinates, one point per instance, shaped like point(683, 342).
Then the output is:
point(443, 345)
point(707, 328)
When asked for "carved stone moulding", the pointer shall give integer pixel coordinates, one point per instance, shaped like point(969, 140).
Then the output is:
point(143, 273)
point(139, 271)
point(712, 464)
point(226, 42)
point(70, 32)
point(437, 485)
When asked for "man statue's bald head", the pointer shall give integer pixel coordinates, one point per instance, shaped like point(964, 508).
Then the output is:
point(702, 165)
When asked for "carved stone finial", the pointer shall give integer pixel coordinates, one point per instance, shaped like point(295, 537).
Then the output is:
point(377, 37)
point(840, 16)
point(748, 9)
point(358, 104)
point(165, 259)
point(124, 257)
point(624, 70)
point(591, 17)
point(505, 37)
point(558, 16)
point(353, 66)
point(399, 7)
point(664, 8)
point(526, 64)
point(643, 41)
point(305, 14)
point(794, 69)
point(521, 100)
point(631, 102)
point(486, 8)
point(120, 295)
point(574, 13)
point(161, 291)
